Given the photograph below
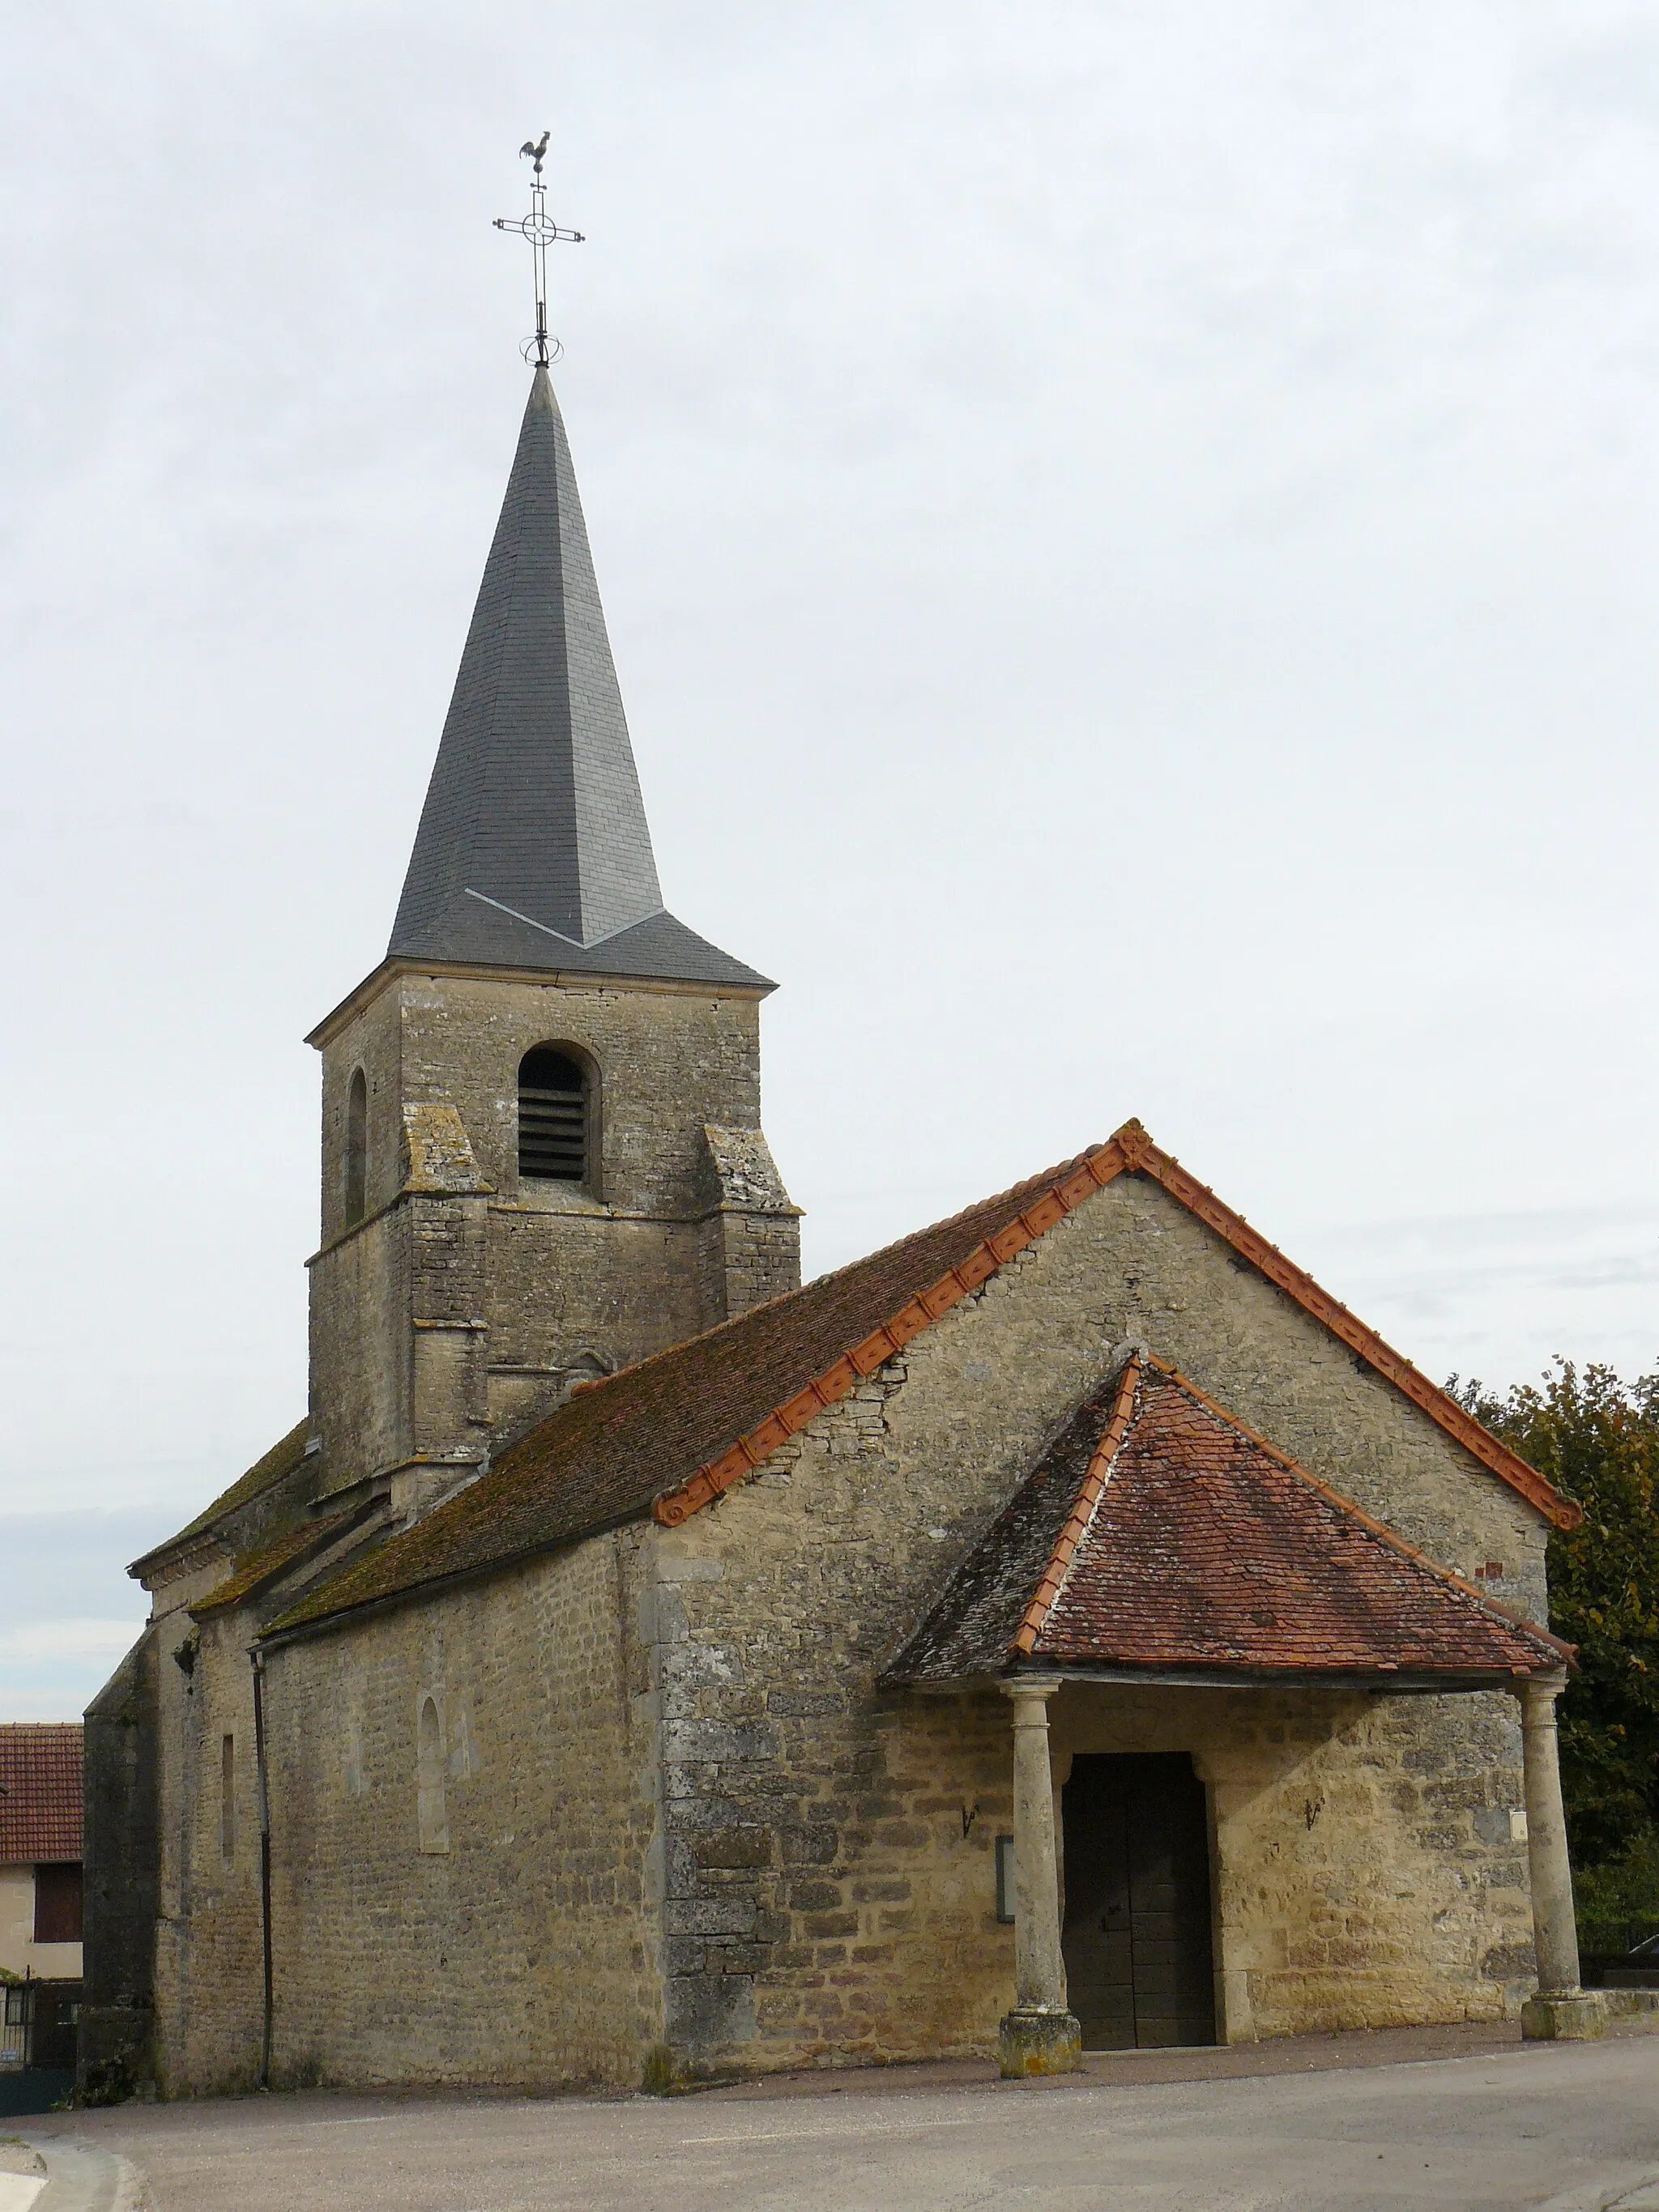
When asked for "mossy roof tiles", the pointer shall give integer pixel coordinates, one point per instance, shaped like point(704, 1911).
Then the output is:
point(670, 1435)
point(1174, 1539)
point(291, 1549)
point(616, 1447)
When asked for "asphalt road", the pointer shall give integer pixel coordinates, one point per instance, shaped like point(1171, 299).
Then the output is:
point(1572, 2127)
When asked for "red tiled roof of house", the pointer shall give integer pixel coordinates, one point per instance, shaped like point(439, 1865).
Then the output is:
point(40, 1792)
point(672, 1433)
point(1157, 1532)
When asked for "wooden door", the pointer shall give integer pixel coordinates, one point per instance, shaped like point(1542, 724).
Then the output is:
point(1139, 1970)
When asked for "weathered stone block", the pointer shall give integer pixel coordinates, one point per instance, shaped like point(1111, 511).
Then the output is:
point(1578, 2017)
point(1032, 2043)
point(734, 1847)
point(708, 1916)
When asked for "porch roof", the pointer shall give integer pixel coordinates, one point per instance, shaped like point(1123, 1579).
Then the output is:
point(1157, 1537)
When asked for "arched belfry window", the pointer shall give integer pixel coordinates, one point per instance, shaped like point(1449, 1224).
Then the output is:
point(555, 1102)
point(357, 1150)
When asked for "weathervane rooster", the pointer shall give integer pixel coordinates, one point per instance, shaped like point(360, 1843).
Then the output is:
point(540, 231)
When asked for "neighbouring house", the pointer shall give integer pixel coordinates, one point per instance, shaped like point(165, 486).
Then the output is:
point(1070, 1624)
point(40, 1767)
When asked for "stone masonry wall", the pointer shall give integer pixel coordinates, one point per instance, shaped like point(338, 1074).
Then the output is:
point(1369, 1870)
point(829, 1861)
point(668, 1062)
point(210, 1955)
point(523, 1950)
point(573, 1279)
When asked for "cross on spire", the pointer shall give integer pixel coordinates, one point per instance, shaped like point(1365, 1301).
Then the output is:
point(540, 231)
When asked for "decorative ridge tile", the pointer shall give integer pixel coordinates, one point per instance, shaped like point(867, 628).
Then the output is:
point(1143, 1157)
point(1087, 1502)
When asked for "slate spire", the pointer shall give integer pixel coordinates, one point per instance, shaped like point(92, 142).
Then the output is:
point(533, 849)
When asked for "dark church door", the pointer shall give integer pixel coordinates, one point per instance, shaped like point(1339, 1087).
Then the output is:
point(1139, 1966)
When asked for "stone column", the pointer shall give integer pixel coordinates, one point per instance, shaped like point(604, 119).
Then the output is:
point(1560, 2009)
point(1039, 2036)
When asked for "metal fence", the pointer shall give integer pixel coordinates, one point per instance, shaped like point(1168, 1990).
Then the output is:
point(17, 2024)
point(1609, 1939)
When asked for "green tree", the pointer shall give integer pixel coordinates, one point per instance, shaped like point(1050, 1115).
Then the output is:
point(1596, 1438)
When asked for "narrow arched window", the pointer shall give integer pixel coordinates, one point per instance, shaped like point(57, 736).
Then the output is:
point(432, 1813)
point(227, 1796)
point(356, 1151)
point(553, 1117)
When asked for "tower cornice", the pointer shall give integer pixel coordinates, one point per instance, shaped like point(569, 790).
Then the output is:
point(570, 979)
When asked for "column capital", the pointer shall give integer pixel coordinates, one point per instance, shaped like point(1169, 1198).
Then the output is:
point(1542, 1688)
point(1029, 1685)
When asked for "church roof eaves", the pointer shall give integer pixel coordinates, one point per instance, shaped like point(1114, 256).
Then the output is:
point(606, 1457)
point(280, 1460)
point(291, 1549)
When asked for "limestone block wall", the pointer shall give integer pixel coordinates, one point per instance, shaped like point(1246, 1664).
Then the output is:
point(1167, 1279)
point(1368, 1860)
point(566, 1284)
point(744, 1258)
point(668, 1062)
point(209, 1956)
point(568, 1279)
point(207, 2005)
point(476, 1907)
point(361, 1345)
point(829, 1886)
point(371, 1041)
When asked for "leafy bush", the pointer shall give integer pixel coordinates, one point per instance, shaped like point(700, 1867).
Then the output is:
point(1596, 1438)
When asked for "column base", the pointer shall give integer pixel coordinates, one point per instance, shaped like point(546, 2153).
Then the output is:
point(1038, 2042)
point(1563, 2017)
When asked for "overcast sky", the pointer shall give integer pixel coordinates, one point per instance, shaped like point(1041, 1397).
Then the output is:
point(1128, 536)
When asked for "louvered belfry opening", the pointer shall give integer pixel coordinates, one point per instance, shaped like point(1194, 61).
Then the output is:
point(552, 1117)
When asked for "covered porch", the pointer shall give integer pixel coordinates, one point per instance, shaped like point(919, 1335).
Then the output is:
point(1274, 1768)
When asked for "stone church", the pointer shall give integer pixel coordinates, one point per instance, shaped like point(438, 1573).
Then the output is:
point(1069, 1627)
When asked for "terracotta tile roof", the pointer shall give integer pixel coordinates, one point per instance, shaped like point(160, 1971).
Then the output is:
point(670, 1435)
point(40, 1791)
point(673, 1432)
point(1157, 1532)
point(281, 1459)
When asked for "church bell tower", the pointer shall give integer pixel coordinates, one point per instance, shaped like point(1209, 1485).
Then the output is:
point(542, 1151)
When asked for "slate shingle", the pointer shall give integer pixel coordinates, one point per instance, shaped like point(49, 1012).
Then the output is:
point(533, 849)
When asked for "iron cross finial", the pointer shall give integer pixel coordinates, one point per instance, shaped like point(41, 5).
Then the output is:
point(541, 232)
